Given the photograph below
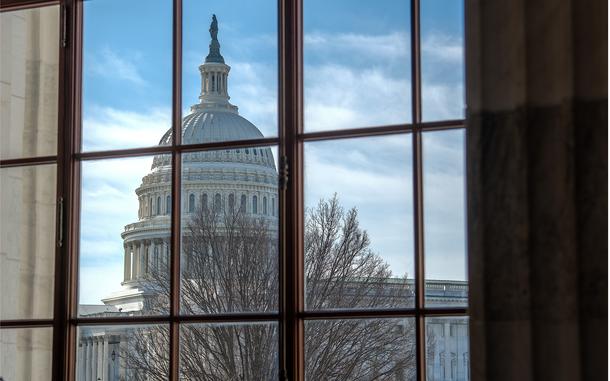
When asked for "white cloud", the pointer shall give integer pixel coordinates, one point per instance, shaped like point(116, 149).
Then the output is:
point(378, 47)
point(338, 96)
point(111, 65)
point(109, 128)
point(442, 101)
point(443, 47)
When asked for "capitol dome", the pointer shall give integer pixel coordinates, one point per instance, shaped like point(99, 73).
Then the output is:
point(236, 180)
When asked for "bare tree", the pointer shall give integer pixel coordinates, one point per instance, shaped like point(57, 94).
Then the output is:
point(230, 266)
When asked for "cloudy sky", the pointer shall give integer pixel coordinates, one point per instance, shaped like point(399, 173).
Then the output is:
point(357, 73)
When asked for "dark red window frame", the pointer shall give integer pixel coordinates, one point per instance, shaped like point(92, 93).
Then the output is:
point(291, 137)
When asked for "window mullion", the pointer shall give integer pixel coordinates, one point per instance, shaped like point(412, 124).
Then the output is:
point(174, 328)
point(418, 223)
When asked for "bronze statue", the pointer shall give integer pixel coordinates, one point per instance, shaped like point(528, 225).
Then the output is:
point(214, 28)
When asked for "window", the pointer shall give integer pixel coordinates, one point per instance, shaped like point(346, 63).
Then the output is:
point(204, 201)
point(191, 203)
point(232, 203)
point(217, 203)
point(368, 108)
point(242, 204)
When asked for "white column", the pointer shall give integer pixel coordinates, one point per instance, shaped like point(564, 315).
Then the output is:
point(134, 261)
point(89, 373)
point(127, 264)
point(151, 255)
point(146, 262)
point(104, 358)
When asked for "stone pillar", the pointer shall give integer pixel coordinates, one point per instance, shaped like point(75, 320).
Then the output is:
point(104, 358)
point(145, 257)
point(537, 159)
point(127, 264)
point(90, 359)
point(136, 261)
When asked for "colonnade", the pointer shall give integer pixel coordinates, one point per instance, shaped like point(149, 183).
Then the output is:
point(214, 82)
point(98, 358)
point(142, 256)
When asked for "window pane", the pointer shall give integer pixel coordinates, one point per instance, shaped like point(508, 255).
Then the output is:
point(125, 237)
point(229, 256)
point(442, 34)
point(372, 349)
point(127, 73)
point(359, 223)
point(445, 218)
point(357, 64)
point(29, 62)
point(128, 352)
point(238, 68)
point(447, 349)
point(27, 241)
point(229, 351)
point(25, 354)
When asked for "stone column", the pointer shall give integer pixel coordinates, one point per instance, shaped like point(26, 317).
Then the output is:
point(537, 159)
point(145, 257)
point(104, 358)
point(136, 260)
point(127, 264)
point(90, 359)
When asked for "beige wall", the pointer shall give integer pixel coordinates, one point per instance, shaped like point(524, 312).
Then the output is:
point(29, 43)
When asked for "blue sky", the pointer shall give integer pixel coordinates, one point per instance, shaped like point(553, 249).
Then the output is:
point(357, 73)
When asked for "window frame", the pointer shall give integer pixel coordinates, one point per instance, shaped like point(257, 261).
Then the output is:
point(290, 209)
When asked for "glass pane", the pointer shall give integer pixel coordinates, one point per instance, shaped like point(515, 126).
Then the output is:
point(27, 241)
point(125, 236)
point(29, 83)
point(127, 73)
point(359, 223)
point(229, 351)
point(25, 354)
point(372, 349)
point(445, 218)
point(128, 352)
point(357, 64)
point(229, 61)
point(442, 53)
point(229, 231)
point(447, 349)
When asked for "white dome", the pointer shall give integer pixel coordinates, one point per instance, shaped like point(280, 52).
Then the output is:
point(214, 126)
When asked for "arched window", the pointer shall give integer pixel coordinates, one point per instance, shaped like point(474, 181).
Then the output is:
point(265, 206)
point(255, 154)
point(273, 207)
point(150, 207)
point(213, 82)
point(158, 211)
point(247, 151)
point(254, 205)
point(242, 204)
point(204, 201)
point(168, 205)
point(217, 202)
point(232, 203)
point(191, 203)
